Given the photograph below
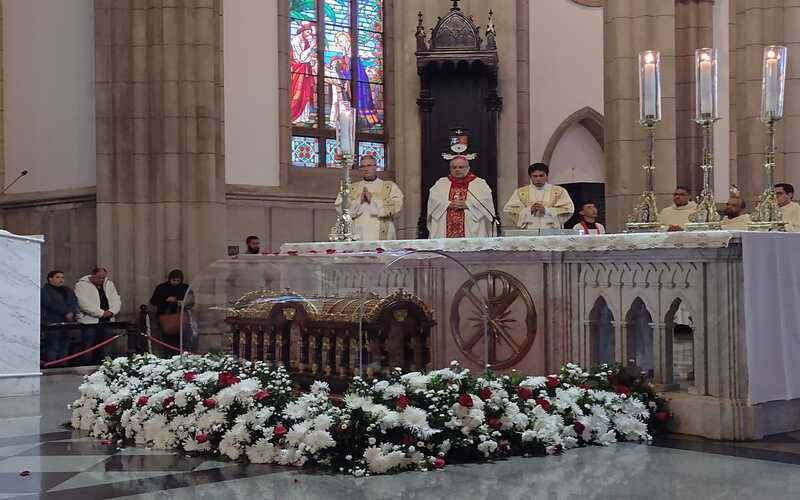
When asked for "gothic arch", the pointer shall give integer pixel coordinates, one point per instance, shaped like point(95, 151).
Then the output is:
point(602, 341)
point(590, 119)
point(640, 336)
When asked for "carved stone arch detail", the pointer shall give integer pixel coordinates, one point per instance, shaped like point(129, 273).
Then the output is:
point(594, 298)
point(647, 306)
point(589, 118)
point(674, 300)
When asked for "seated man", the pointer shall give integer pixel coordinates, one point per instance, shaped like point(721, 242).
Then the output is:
point(735, 219)
point(676, 216)
point(373, 203)
point(460, 205)
point(588, 220)
point(784, 192)
point(100, 303)
point(539, 204)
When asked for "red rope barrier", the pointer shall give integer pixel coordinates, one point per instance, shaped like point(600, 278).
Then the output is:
point(81, 353)
point(163, 344)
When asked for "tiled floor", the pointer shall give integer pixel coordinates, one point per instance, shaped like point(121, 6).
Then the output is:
point(62, 464)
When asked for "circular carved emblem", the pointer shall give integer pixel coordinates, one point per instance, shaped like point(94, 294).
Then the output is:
point(510, 322)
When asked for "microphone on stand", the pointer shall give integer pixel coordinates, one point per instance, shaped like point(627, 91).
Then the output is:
point(20, 176)
point(495, 218)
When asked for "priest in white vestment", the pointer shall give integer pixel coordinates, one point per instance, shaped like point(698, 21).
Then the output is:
point(460, 205)
point(676, 216)
point(373, 203)
point(588, 220)
point(735, 219)
point(539, 204)
point(790, 210)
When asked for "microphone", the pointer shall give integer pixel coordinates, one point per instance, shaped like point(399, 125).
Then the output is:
point(20, 176)
point(495, 218)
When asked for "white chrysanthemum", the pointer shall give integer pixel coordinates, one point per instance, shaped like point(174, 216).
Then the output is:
point(263, 452)
point(533, 382)
point(319, 387)
point(191, 444)
point(206, 377)
point(418, 382)
point(487, 447)
point(229, 446)
point(394, 391)
point(318, 440)
point(356, 402)
point(323, 422)
point(390, 420)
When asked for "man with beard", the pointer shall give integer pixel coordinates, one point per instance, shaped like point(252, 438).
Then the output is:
point(676, 217)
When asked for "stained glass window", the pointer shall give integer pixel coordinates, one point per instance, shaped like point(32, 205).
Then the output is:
point(336, 54)
point(305, 151)
point(375, 149)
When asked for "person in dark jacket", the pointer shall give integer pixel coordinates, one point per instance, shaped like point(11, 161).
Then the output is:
point(59, 305)
point(170, 297)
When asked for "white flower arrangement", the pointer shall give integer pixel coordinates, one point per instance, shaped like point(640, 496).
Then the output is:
point(413, 421)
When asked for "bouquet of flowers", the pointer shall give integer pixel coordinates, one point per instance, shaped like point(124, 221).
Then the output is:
point(408, 421)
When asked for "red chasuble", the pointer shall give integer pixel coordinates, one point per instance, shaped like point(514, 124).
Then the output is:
point(455, 217)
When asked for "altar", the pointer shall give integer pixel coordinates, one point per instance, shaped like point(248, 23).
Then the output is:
point(534, 303)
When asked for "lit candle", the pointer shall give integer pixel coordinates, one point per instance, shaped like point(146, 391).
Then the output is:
point(771, 82)
point(706, 84)
point(346, 129)
point(650, 94)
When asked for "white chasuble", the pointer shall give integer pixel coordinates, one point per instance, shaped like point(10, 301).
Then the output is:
point(374, 220)
point(555, 199)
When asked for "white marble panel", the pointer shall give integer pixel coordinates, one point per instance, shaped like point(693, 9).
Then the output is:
point(20, 275)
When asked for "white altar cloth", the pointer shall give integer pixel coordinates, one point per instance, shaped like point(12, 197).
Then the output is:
point(572, 243)
point(772, 315)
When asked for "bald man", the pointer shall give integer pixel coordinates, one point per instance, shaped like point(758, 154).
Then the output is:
point(460, 205)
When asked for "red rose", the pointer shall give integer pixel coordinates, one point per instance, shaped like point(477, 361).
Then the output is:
point(189, 376)
point(402, 402)
point(579, 428)
point(485, 394)
point(662, 416)
point(585, 387)
point(261, 395)
point(379, 250)
point(201, 437)
point(142, 400)
point(330, 251)
point(524, 393)
point(168, 401)
point(292, 252)
point(465, 400)
point(227, 378)
point(209, 402)
point(545, 404)
point(26, 473)
point(110, 408)
point(622, 389)
point(495, 423)
point(438, 463)
point(410, 249)
point(280, 430)
point(504, 445)
point(552, 382)
point(408, 440)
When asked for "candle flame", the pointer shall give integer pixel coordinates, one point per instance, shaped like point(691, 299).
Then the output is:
point(705, 56)
point(771, 54)
point(649, 58)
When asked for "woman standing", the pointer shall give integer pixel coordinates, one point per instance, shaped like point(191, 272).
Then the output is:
point(59, 305)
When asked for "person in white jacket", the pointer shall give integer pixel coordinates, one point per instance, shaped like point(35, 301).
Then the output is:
point(99, 302)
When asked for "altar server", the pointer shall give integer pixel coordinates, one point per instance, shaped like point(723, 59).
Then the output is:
point(789, 209)
point(460, 205)
point(539, 204)
point(588, 220)
point(676, 216)
point(373, 203)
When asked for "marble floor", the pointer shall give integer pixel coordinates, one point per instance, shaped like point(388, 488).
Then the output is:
point(41, 459)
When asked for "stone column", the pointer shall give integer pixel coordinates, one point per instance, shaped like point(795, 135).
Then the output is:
point(760, 23)
point(693, 30)
point(630, 27)
point(160, 166)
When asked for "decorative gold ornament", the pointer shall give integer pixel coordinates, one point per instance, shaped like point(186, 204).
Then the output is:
point(507, 331)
